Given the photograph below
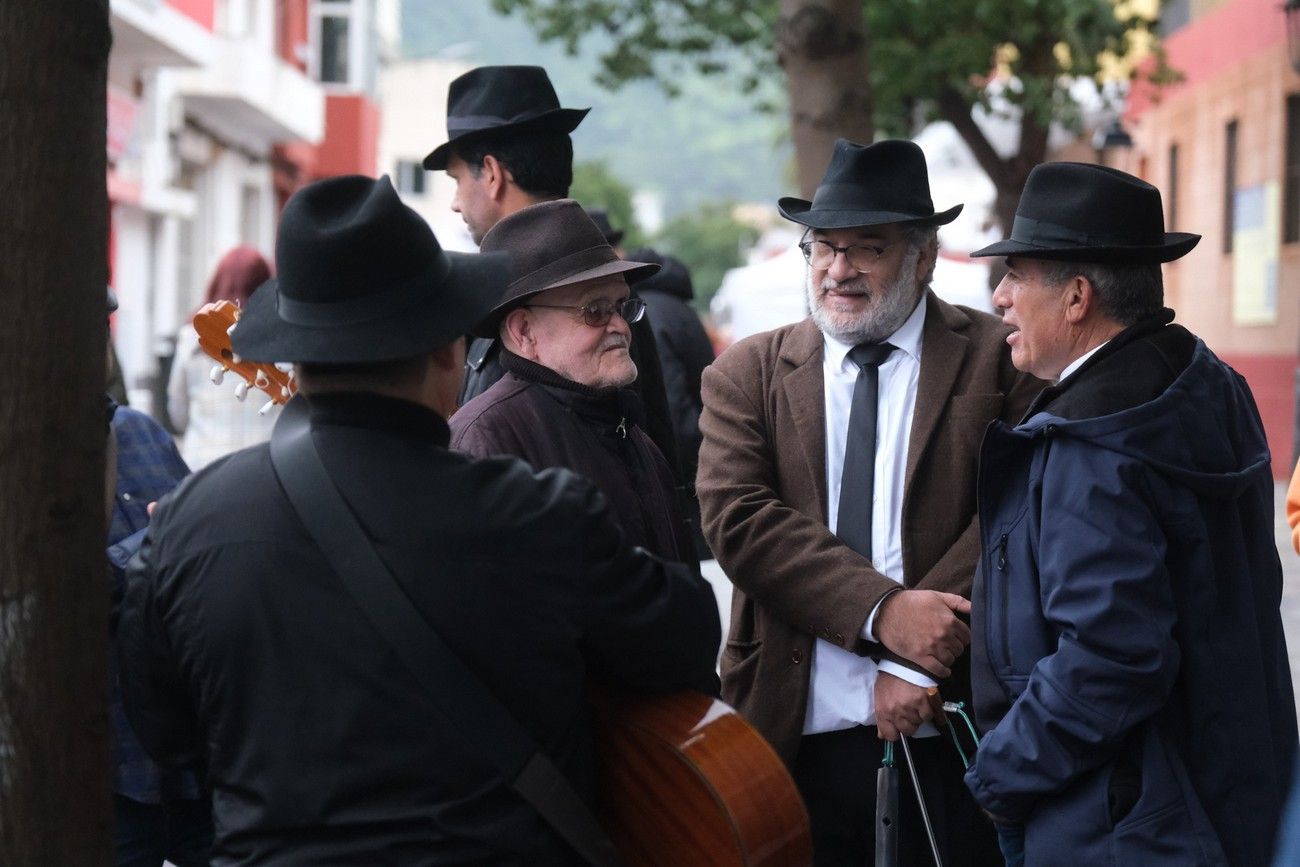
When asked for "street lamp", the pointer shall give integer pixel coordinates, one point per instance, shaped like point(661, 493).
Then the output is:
point(1113, 135)
point(1292, 9)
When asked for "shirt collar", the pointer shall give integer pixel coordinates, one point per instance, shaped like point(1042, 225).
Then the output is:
point(907, 339)
point(1078, 362)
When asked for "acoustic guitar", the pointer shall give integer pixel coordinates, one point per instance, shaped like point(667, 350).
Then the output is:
point(683, 780)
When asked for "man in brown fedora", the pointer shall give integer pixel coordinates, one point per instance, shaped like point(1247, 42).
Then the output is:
point(1130, 668)
point(565, 328)
point(248, 648)
point(508, 148)
point(837, 484)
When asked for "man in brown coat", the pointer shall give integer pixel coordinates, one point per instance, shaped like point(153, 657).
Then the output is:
point(837, 485)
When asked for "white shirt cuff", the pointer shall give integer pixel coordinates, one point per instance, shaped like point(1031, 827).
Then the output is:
point(902, 671)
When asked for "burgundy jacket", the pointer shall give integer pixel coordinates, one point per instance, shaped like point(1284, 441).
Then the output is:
point(534, 413)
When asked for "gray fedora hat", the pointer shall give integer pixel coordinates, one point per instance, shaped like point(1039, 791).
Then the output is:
point(552, 244)
point(1081, 212)
point(360, 277)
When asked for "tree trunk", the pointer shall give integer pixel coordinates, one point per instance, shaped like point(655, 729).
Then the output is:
point(824, 48)
point(54, 765)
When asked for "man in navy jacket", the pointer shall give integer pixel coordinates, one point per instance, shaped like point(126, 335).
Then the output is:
point(1130, 668)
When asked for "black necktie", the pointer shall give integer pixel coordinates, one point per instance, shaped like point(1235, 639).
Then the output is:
point(858, 481)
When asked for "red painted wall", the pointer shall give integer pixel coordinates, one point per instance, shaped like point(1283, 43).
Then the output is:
point(202, 11)
point(292, 32)
point(1272, 380)
point(1216, 41)
point(351, 144)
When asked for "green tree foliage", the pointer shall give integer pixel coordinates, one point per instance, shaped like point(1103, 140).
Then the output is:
point(709, 242)
point(927, 60)
point(595, 186)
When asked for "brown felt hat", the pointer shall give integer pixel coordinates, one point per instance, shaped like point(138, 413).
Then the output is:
point(551, 244)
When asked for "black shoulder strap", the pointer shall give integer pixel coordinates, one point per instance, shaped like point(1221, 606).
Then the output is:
point(462, 696)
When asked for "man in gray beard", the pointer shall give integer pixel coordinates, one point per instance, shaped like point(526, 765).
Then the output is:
point(837, 488)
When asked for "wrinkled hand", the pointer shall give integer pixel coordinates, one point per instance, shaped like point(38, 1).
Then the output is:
point(901, 707)
point(922, 625)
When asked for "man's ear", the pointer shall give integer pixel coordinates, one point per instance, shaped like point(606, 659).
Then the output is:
point(518, 335)
point(1079, 299)
point(496, 177)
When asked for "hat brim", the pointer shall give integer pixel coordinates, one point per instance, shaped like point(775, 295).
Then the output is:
point(632, 272)
point(1176, 245)
point(564, 120)
point(801, 211)
point(445, 313)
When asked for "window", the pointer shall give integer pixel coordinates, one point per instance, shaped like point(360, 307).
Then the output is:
point(410, 177)
point(1229, 182)
point(1291, 180)
point(1173, 187)
point(334, 49)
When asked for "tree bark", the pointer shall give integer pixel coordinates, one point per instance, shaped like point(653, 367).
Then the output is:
point(54, 765)
point(824, 48)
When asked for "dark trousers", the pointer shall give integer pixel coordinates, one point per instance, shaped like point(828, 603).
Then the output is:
point(146, 835)
point(836, 773)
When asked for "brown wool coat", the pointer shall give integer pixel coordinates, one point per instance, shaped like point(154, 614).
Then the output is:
point(762, 489)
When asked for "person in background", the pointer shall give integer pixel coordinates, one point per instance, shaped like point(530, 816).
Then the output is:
point(614, 237)
point(158, 814)
point(211, 421)
point(684, 351)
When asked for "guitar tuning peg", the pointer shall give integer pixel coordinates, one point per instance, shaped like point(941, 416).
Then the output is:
point(266, 407)
point(241, 390)
point(261, 381)
point(217, 374)
point(284, 392)
point(231, 329)
point(284, 366)
point(235, 359)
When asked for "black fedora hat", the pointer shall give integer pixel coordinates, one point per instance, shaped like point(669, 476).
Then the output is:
point(360, 277)
point(1081, 212)
point(869, 185)
point(491, 100)
point(552, 244)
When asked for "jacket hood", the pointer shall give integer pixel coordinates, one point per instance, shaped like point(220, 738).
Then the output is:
point(1203, 431)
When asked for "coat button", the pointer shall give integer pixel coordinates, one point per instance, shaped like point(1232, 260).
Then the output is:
point(796, 656)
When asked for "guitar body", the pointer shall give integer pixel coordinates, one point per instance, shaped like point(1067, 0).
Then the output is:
point(685, 780)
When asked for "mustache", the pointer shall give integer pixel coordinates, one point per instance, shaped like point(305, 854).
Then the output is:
point(857, 284)
point(616, 341)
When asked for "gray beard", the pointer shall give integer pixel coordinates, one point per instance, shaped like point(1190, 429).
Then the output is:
point(890, 306)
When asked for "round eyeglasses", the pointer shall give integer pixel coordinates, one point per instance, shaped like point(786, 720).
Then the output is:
point(861, 257)
point(598, 313)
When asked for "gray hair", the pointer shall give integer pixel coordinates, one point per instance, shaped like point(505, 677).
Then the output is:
point(917, 238)
point(1125, 293)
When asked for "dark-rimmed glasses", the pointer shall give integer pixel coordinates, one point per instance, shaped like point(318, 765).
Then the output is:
point(861, 257)
point(598, 313)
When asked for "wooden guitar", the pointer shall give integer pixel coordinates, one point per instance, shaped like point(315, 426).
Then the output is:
point(213, 322)
point(684, 780)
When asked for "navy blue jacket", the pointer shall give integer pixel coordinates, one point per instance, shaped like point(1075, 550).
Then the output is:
point(1129, 663)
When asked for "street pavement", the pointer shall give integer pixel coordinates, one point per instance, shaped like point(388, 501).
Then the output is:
point(1290, 584)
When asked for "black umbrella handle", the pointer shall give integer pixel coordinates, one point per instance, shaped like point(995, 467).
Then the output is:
point(887, 816)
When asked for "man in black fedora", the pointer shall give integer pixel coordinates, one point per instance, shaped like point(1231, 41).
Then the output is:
point(1130, 668)
point(245, 650)
point(508, 148)
point(837, 485)
point(565, 325)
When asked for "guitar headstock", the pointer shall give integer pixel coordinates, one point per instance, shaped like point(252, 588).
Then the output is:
point(213, 324)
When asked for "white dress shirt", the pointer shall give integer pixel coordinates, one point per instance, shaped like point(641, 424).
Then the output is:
point(1078, 362)
point(842, 691)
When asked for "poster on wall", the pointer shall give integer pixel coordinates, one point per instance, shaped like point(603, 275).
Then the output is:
point(1255, 240)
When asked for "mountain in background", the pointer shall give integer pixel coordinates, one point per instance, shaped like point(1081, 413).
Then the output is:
point(709, 144)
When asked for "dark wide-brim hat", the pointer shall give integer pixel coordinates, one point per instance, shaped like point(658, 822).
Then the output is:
point(361, 278)
point(495, 100)
point(870, 185)
point(1080, 212)
point(552, 244)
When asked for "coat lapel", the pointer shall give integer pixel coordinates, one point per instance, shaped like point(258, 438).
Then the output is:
point(943, 350)
point(804, 391)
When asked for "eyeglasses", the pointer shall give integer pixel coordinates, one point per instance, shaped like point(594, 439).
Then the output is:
point(598, 313)
point(861, 257)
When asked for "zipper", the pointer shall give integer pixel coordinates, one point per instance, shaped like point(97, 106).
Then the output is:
point(621, 428)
